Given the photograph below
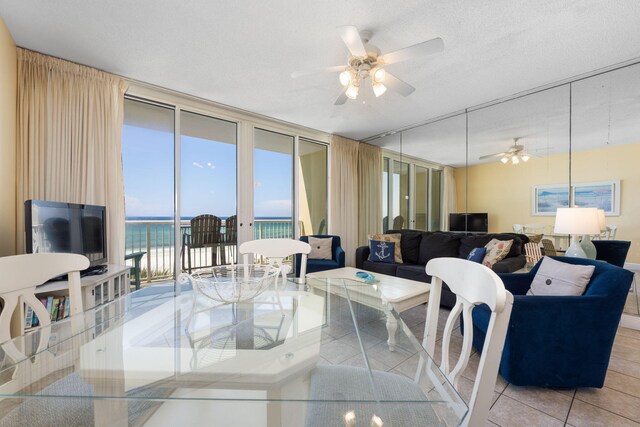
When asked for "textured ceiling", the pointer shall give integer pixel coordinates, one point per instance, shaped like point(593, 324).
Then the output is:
point(242, 53)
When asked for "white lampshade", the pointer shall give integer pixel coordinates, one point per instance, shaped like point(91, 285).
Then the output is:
point(379, 89)
point(345, 78)
point(601, 221)
point(577, 221)
point(352, 91)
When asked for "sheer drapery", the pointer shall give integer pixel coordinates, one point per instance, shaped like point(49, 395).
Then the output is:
point(370, 191)
point(69, 140)
point(449, 204)
point(344, 194)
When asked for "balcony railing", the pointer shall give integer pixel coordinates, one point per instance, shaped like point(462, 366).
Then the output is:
point(156, 238)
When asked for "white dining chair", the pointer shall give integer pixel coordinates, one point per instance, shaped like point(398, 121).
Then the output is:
point(19, 277)
point(611, 232)
point(276, 251)
point(518, 228)
point(473, 284)
point(534, 228)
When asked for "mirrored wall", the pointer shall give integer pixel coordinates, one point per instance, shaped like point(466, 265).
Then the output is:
point(518, 160)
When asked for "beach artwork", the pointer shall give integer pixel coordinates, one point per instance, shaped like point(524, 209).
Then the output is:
point(601, 195)
point(547, 198)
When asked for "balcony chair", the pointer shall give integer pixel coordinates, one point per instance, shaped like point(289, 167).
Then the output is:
point(398, 222)
point(315, 265)
point(612, 251)
point(205, 233)
point(549, 247)
point(230, 239)
point(559, 341)
point(473, 284)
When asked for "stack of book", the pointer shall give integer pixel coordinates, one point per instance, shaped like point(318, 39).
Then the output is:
point(58, 308)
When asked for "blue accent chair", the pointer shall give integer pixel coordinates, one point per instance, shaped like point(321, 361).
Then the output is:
point(560, 341)
point(314, 265)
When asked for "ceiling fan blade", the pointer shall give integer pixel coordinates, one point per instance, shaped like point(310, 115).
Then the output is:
point(351, 38)
point(342, 98)
point(488, 156)
point(333, 69)
point(425, 48)
point(394, 83)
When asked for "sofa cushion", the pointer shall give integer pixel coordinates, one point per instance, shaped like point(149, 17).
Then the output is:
point(559, 278)
point(438, 245)
point(382, 251)
point(413, 272)
point(477, 255)
point(395, 238)
point(380, 267)
point(409, 245)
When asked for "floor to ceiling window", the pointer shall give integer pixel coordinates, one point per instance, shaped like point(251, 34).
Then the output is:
point(239, 179)
point(411, 195)
point(148, 167)
point(208, 196)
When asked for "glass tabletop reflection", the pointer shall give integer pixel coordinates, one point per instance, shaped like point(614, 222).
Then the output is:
point(309, 353)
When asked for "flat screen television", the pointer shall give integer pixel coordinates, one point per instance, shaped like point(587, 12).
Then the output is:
point(67, 228)
point(471, 222)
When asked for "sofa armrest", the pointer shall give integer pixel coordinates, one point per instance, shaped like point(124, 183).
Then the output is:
point(362, 254)
point(338, 255)
point(517, 283)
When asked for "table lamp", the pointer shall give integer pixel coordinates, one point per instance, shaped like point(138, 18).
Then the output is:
point(577, 222)
point(586, 244)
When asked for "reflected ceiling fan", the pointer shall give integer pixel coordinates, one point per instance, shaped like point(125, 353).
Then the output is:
point(515, 154)
point(365, 61)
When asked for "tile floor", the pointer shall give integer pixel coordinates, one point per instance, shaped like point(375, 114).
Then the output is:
point(616, 404)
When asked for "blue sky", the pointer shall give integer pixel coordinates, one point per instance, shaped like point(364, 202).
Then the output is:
point(208, 176)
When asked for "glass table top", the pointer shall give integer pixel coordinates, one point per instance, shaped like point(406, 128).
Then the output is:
point(302, 354)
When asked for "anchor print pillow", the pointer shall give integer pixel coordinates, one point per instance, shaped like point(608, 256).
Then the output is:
point(389, 238)
point(382, 251)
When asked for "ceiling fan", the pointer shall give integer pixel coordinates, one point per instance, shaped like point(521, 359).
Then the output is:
point(365, 61)
point(515, 154)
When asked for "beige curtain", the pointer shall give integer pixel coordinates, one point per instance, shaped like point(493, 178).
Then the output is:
point(344, 194)
point(449, 204)
point(370, 191)
point(69, 140)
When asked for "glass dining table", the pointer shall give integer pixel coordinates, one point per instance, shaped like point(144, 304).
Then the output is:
point(309, 353)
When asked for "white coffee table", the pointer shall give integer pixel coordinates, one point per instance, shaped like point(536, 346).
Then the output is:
point(401, 294)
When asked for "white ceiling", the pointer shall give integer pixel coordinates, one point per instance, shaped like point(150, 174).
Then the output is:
point(242, 53)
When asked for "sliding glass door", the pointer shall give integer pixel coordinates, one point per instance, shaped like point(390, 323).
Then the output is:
point(208, 194)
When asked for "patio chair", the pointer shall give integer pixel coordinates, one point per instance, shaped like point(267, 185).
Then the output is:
point(548, 247)
point(230, 238)
point(398, 222)
point(205, 233)
point(533, 253)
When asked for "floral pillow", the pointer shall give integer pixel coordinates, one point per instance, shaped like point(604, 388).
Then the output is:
point(395, 238)
point(497, 250)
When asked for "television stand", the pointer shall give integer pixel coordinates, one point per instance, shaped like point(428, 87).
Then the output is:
point(95, 271)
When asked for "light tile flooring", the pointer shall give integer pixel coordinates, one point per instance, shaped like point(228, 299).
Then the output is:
point(616, 404)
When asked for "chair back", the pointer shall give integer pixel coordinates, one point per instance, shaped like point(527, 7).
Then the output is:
point(231, 229)
point(473, 284)
point(321, 226)
point(276, 250)
point(549, 247)
point(21, 274)
point(398, 222)
point(205, 230)
point(612, 251)
point(518, 228)
point(611, 232)
point(533, 253)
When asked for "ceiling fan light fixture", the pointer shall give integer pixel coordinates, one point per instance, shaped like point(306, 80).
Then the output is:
point(352, 91)
point(524, 157)
point(378, 75)
point(379, 89)
point(515, 160)
point(345, 78)
point(504, 160)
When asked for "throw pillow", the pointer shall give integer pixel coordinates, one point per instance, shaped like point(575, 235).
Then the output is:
point(477, 255)
point(320, 248)
point(496, 250)
point(395, 238)
point(382, 251)
point(559, 278)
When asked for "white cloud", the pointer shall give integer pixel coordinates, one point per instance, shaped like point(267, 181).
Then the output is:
point(198, 165)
